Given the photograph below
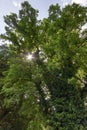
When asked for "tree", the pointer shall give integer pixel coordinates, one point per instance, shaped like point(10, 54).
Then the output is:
point(63, 46)
point(17, 76)
point(49, 91)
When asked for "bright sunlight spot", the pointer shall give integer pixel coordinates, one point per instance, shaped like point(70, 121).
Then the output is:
point(29, 57)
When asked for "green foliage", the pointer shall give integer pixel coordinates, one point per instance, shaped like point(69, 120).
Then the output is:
point(48, 91)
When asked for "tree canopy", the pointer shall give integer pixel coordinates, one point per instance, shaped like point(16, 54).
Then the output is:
point(49, 90)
